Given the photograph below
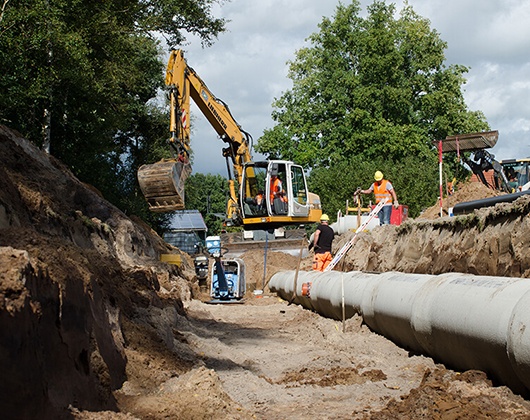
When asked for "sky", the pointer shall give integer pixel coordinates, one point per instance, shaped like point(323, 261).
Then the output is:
point(247, 65)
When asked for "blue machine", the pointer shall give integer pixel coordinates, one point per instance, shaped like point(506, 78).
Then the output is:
point(228, 275)
point(213, 245)
point(233, 271)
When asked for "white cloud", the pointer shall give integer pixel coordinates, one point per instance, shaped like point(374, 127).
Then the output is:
point(493, 30)
point(493, 39)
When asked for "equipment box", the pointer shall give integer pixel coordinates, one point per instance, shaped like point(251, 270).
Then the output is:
point(399, 215)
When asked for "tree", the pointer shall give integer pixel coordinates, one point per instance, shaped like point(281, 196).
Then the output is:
point(412, 178)
point(88, 73)
point(371, 89)
point(208, 194)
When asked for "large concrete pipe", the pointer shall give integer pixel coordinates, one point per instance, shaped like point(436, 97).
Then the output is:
point(461, 320)
point(349, 222)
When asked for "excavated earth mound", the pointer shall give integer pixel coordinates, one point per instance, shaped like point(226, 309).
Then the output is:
point(75, 274)
point(93, 326)
point(491, 241)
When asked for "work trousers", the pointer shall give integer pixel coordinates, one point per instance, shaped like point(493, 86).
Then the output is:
point(384, 215)
point(321, 261)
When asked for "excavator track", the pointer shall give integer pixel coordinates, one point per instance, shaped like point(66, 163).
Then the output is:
point(162, 184)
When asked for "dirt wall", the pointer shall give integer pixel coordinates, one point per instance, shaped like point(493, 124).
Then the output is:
point(491, 241)
point(74, 273)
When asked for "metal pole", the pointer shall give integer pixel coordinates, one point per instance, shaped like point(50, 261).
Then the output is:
point(265, 258)
point(298, 268)
point(343, 306)
point(260, 291)
point(441, 180)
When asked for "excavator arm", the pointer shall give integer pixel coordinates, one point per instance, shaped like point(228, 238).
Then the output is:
point(485, 161)
point(163, 183)
point(183, 83)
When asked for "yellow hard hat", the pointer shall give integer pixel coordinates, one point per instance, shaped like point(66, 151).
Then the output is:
point(324, 218)
point(378, 176)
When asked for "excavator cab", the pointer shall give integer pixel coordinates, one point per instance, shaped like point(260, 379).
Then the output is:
point(518, 173)
point(275, 193)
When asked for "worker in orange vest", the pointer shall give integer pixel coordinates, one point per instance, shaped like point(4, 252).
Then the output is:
point(259, 202)
point(259, 198)
point(382, 188)
point(277, 195)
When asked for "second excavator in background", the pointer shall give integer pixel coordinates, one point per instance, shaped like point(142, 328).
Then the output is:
point(480, 161)
point(262, 195)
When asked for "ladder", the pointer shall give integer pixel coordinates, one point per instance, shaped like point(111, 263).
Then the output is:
point(342, 252)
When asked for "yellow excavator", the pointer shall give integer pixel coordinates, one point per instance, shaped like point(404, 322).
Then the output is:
point(262, 195)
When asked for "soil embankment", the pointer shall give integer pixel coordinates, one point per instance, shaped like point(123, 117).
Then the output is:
point(491, 241)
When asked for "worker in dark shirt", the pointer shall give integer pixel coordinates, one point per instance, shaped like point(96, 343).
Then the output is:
point(322, 240)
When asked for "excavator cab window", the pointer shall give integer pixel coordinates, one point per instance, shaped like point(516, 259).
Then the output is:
point(298, 191)
point(278, 189)
point(254, 191)
point(274, 188)
point(265, 189)
point(517, 171)
point(299, 187)
point(285, 195)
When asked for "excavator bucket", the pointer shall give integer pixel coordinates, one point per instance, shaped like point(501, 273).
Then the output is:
point(162, 184)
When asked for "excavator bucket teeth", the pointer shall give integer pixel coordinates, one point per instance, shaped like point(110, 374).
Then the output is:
point(162, 184)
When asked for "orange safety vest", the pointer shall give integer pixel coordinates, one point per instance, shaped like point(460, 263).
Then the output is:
point(381, 192)
point(276, 187)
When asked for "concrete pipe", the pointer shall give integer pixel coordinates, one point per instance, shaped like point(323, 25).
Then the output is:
point(351, 222)
point(464, 321)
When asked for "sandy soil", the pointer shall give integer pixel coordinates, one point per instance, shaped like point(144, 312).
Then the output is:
point(92, 326)
point(276, 361)
point(463, 192)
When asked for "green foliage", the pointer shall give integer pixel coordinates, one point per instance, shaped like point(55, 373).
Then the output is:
point(415, 181)
point(95, 68)
point(208, 194)
point(370, 92)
